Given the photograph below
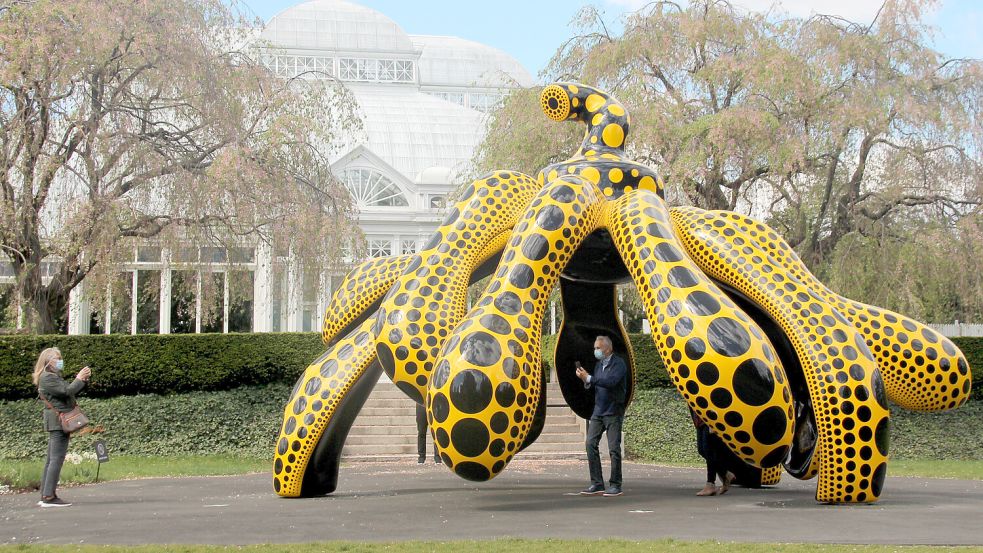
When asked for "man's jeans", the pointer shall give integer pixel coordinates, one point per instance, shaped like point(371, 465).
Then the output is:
point(611, 425)
point(57, 448)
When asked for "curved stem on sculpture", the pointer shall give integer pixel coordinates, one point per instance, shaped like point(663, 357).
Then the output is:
point(487, 382)
point(718, 358)
point(844, 382)
point(606, 119)
point(329, 393)
point(425, 303)
point(922, 369)
point(359, 294)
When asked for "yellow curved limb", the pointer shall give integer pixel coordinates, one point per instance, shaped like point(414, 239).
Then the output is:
point(922, 369)
point(771, 476)
point(428, 299)
point(365, 284)
point(841, 374)
point(487, 381)
point(313, 404)
point(719, 359)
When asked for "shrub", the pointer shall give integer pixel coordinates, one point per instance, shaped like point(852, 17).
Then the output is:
point(243, 422)
point(161, 364)
point(658, 428)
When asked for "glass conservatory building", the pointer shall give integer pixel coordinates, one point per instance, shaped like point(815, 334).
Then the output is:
point(423, 99)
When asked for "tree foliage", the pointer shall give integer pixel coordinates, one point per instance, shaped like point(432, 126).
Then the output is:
point(825, 128)
point(123, 121)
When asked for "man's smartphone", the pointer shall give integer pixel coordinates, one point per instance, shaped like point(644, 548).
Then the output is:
point(577, 364)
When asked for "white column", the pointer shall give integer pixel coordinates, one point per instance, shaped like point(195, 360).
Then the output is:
point(79, 311)
point(225, 302)
point(295, 290)
point(108, 327)
point(552, 317)
point(134, 300)
point(262, 288)
point(198, 304)
point(165, 293)
point(323, 298)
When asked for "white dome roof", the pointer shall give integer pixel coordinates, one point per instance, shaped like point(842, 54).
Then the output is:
point(336, 25)
point(414, 132)
point(453, 61)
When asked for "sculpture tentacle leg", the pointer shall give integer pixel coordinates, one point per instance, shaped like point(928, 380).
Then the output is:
point(330, 393)
point(487, 382)
point(771, 476)
point(842, 376)
point(429, 298)
point(922, 369)
point(359, 294)
point(720, 360)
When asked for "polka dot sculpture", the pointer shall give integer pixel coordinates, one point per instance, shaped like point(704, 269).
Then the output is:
point(788, 373)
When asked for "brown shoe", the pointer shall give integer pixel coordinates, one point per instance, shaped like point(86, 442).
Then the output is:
point(728, 480)
point(707, 490)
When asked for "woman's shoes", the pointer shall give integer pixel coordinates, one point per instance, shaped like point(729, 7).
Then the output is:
point(728, 480)
point(708, 490)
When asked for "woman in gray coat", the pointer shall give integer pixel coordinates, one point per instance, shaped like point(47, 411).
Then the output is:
point(59, 395)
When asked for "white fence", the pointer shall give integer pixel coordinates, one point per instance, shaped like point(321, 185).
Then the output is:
point(951, 330)
point(957, 328)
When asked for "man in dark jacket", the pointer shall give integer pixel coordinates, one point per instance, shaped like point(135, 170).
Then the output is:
point(610, 383)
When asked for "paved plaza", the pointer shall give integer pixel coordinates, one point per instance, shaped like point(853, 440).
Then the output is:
point(533, 499)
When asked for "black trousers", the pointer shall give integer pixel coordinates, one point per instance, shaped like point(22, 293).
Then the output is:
point(712, 449)
point(421, 433)
point(612, 426)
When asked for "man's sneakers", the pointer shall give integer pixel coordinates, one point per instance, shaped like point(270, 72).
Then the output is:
point(594, 489)
point(613, 491)
point(421, 460)
point(53, 501)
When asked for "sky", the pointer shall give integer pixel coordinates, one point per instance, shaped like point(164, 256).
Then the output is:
point(544, 25)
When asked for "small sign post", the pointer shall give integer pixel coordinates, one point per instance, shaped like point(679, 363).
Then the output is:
point(102, 455)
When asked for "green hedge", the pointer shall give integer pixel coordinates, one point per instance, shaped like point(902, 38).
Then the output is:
point(161, 364)
point(243, 422)
point(658, 428)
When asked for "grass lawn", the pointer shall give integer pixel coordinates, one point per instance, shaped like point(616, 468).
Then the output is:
point(507, 546)
point(21, 475)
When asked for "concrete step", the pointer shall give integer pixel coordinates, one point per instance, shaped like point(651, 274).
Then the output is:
point(380, 430)
point(370, 411)
point(375, 449)
point(381, 440)
point(386, 429)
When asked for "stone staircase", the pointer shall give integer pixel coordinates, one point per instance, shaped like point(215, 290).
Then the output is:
point(386, 429)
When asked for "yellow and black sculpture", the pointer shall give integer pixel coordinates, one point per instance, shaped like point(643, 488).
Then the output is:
point(786, 372)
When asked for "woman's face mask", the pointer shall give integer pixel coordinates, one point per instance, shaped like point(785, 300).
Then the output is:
point(59, 365)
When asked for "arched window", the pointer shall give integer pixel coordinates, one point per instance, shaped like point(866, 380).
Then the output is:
point(371, 188)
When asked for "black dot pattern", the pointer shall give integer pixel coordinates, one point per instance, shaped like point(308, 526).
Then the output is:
point(493, 357)
point(841, 374)
point(425, 303)
point(362, 286)
point(314, 401)
point(922, 369)
point(713, 340)
point(601, 157)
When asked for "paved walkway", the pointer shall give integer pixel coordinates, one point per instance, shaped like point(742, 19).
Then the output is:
point(531, 499)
